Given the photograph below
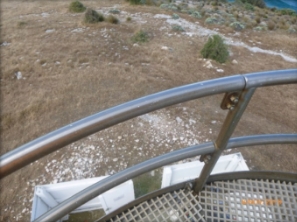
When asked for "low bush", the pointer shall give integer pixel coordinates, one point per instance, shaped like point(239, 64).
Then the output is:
point(215, 49)
point(177, 28)
point(249, 7)
point(76, 6)
point(286, 11)
point(270, 25)
point(91, 16)
point(112, 19)
point(134, 2)
point(140, 37)
point(258, 3)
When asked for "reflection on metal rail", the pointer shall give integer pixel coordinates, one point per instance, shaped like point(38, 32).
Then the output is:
point(242, 84)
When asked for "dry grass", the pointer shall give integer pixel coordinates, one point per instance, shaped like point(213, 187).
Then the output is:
point(71, 74)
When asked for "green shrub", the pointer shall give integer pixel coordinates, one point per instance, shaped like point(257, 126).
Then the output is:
point(140, 36)
point(215, 49)
point(128, 19)
point(258, 3)
point(91, 16)
point(286, 11)
point(77, 6)
point(175, 16)
point(237, 26)
point(135, 2)
point(249, 7)
point(177, 28)
point(112, 19)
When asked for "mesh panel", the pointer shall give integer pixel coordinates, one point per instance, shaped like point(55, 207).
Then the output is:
point(179, 205)
point(250, 200)
point(236, 200)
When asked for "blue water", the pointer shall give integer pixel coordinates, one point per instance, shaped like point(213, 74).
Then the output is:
point(291, 4)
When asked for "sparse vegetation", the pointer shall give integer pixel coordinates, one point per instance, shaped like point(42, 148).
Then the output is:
point(215, 49)
point(287, 12)
point(134, 2)
point(177, 28)
point(128, 19)
point(270, 25)
point(140, 37)
point(77, 7)
point(258, 3)
point(91, 16)
point(93, 67)
point(112, 19)
point(21, 24)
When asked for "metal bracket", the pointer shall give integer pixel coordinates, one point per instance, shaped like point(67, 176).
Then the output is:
point(205, 158)
point(230, 100)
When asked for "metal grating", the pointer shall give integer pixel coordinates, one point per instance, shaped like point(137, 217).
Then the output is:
point(250, 200)
point(179, 205)
point(234, 200)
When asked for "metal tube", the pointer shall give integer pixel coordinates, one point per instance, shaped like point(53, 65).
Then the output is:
point(227, 130)
point(100, 187)
point(57, 139)
point(270, 78)
point(93, 191)
point(264, 139)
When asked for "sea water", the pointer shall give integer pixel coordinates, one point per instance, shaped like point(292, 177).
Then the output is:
point(291, 4)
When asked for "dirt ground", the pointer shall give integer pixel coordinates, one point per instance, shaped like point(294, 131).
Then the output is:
point(70, 70)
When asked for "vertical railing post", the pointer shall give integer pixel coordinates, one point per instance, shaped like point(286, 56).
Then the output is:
point(230, 123)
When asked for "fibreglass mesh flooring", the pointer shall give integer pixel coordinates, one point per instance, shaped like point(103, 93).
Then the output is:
point(236, 200)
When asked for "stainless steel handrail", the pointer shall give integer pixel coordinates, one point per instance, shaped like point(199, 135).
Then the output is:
point(55, 140)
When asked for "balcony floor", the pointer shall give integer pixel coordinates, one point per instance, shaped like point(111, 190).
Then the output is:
point(232, 200)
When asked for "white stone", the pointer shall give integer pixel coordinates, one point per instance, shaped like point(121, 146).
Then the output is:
point(208, 65)
point(220, 70)
point(18, 75)
point(49, 30)
point(165, 48)
point(174, 215)
point(179, 120)
point(234, 61)
point(5, 44)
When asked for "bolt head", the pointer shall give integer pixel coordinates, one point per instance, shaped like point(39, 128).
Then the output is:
point(234, 99)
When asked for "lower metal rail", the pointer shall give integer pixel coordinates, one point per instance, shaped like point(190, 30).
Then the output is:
point(100, 187)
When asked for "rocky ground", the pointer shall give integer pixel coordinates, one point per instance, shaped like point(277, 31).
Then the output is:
point(56, 69)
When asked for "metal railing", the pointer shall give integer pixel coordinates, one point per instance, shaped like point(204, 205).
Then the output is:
point(239, 90)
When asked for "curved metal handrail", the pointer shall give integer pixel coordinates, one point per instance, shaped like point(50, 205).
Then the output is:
point(57, 139)
point(106, 184)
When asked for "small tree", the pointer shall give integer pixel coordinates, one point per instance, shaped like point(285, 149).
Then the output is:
point(77, 6)
point(215, 49)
